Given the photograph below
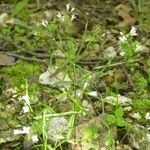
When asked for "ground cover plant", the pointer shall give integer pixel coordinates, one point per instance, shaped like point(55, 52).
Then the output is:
point(74, 75)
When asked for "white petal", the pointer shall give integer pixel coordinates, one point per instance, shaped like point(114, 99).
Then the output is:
point(133, 31)
point(44, 23)
point(67, 7)
point(25, 109)
point(26, 99)
point(72, 9)
point(73, 17)
point(35, 139)
point(16, 132)
point(147, 116)
point(26, 130)
point(122, 39)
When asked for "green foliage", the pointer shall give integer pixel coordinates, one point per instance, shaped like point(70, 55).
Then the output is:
point(116, 118)
point(141, 10)
point(142, 83)
point(90, 132)
point(21, 72)
point(141, 105)
point(19, 7)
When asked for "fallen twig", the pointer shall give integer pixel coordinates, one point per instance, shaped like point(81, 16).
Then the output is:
point(26, 58)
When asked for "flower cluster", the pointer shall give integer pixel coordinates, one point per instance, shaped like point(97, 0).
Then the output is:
point(69, 9)
point(125, 43)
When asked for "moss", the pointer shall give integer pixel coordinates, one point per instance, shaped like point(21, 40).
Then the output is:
point(21, 72)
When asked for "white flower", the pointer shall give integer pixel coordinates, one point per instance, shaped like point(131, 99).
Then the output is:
point(24, 131)
point(147, 116)
point(67, 7)
point(133, 31)
point(122, 39)
point(72, 9)
point(44, 23)
point(103, 34)
point(16, 132)
point(35, 33)
point(60, 16)
point(93, 93)
point(34, 138)
point(73, 17)
point(25, 109)
point(26, 99)
point(122, 53)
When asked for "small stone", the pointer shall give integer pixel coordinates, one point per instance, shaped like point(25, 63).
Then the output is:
point(122, 100)
point(136, 116)
point(57, 128)
point(109, 53)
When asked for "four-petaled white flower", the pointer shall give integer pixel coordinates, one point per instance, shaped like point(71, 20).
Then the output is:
point(133, 31)
point(44, 23)
point(25, 130)
point(147, 116)
point(60, 16)
point(25, 109)
point(122, 53)
point(122, 39)
point(67, 6)
point(34, 138)
point(26, 99)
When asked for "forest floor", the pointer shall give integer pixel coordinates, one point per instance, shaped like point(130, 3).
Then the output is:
point(75, 75)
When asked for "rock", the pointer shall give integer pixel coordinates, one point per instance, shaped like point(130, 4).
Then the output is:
point(121, 100)
point(137, 137)
point(109, 53)
point(27, 145)
point(57, 128)
point(59, 80)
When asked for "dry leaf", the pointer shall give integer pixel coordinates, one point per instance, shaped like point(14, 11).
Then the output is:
point(123, 12)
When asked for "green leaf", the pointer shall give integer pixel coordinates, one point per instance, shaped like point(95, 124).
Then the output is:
point(111, 119)
point(142, 82)
point(119, 112)
point(120, 122)
point(90, 132)
point(19, 7)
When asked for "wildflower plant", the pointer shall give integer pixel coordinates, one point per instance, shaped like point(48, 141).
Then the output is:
point(56, 38)
point(129, 46)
